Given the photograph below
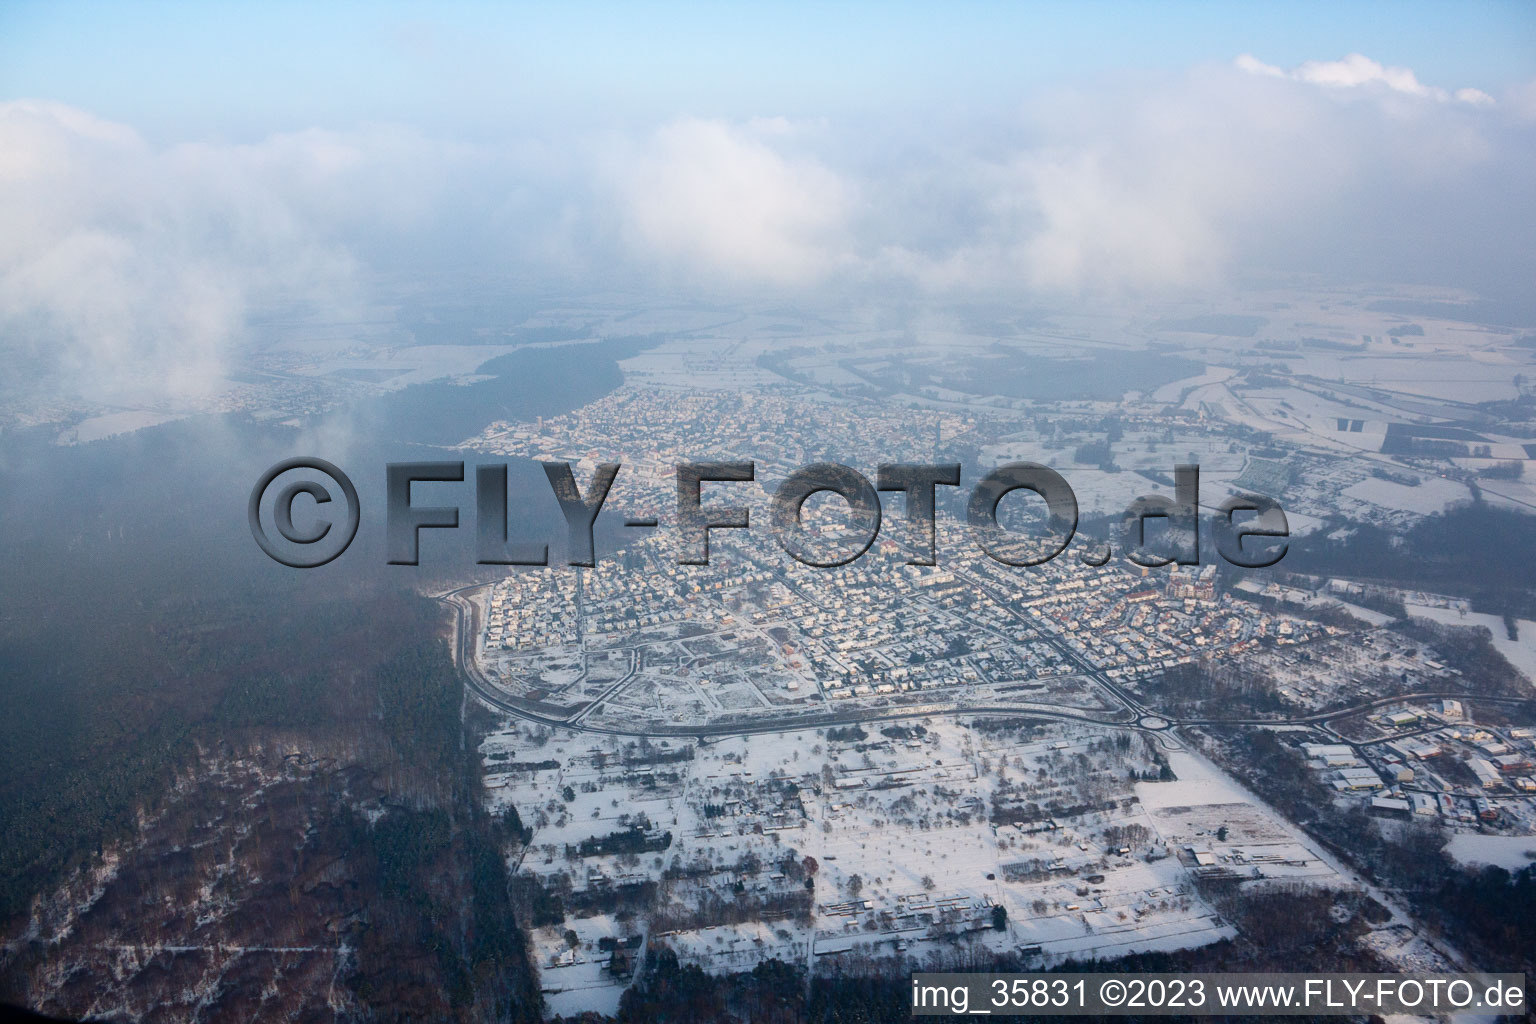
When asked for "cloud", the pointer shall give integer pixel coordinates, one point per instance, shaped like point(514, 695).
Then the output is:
point(713, 200)
point(126, 263)
point(127, 267)
point(1356, 71)
point(1197, 180)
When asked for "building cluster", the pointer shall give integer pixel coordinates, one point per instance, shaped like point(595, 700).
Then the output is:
point(1431, 760)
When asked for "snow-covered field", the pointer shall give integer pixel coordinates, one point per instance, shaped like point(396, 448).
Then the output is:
point(1520, 652)
point(1430, 497)
point(1510, 852)
point(857, 845)
point(111, 424)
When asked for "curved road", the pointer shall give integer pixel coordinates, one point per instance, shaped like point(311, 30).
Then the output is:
point(1142, 719)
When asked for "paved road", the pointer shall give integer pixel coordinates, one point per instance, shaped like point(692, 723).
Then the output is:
point(467, 629)
point(1141, 718)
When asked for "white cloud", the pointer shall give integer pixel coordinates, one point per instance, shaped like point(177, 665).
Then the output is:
point(1357, 71)
point(120, 259)
point(124, 266)
point(1194, 180)
point(709, 199)
point(1251, 64)
point(1476, 97)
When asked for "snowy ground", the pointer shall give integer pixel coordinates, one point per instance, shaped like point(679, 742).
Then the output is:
point(848, 847)
point(1520, 652)
point(1511, 852)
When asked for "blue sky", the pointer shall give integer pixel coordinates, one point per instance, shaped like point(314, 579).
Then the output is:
point(179, 70)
